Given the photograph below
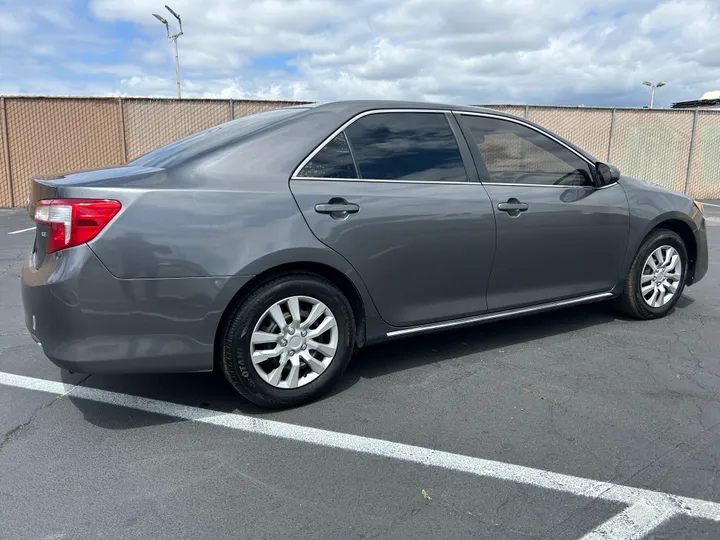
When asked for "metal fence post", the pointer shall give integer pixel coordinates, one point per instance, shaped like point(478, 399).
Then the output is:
point(527, 112)
point(8, 167)
point(612, 134)
point(232, 114)
point(690, 154)
point(123, 141)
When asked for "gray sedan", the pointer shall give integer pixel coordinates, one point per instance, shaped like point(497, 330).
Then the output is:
point(273, 246)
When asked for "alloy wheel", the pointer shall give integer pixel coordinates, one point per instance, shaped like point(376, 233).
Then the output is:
point(294, 342)
point(661, 276)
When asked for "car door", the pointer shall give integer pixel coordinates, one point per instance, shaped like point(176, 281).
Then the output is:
point(558, 234)
point(391, 193)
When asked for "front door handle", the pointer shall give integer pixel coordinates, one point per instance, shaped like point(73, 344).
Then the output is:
point(513, 206)
point(337, 208)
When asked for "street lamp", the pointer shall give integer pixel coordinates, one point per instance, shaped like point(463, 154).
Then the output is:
point(653, 86)
point(173, 38)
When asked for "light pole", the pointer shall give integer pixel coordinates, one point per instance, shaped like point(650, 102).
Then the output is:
point(652, 93)
point(173, 38)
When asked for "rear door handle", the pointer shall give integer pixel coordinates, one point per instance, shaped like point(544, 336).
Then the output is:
point(337, 208)
point(328, 208)
point(513, 206)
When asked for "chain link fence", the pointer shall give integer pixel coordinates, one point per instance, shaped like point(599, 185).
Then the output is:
point(704, 172)
point(150, 124)
point(50, 136)
point(587, 128)
point(6, 195)
point(653, 145)
point(678, 149)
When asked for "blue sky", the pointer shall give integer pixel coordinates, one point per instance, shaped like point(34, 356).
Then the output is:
point(569, 52)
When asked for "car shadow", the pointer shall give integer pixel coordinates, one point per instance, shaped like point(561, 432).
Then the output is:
point(210, 390)
point(684, 301)
point(412, 352)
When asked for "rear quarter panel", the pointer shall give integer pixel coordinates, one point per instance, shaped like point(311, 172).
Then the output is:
point(183, 234)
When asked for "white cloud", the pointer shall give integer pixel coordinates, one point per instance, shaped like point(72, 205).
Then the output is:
point(55, 16)
point(478, 51)
point(10, 25)
point(154, 56)
point(674, 14)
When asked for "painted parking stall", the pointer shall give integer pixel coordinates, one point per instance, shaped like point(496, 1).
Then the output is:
point(458, 405)
point(646, 509)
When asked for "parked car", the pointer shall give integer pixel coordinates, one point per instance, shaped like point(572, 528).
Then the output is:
point(273, 246)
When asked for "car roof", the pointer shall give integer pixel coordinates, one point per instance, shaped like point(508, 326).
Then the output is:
point(360, 105)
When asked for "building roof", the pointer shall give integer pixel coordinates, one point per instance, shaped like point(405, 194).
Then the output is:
point(698, 103)
point(709, 99)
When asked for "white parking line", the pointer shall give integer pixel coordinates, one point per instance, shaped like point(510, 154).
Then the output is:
point(646, 509)
point(22, 230)
point(711, 204)
point(636, 521)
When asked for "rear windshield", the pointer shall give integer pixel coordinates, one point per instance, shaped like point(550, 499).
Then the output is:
point(214, 137)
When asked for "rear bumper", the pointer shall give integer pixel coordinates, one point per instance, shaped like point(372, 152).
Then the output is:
point(88, 321)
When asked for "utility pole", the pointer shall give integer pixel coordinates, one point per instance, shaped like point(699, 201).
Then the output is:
point(173, 38)
point(652, 93)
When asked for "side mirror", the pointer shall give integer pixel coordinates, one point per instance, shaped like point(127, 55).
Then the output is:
point(607, 174)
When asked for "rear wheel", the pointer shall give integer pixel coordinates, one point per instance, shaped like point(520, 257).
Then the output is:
point(289, 341)
point(657, 276)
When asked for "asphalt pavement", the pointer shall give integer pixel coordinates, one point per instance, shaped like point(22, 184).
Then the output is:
point(582, 392)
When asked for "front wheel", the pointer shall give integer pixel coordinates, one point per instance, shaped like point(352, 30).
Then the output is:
point(289, 341)
point(657, 276)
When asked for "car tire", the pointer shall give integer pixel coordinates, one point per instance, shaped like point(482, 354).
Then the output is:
point(261, 383)
point(632, 301)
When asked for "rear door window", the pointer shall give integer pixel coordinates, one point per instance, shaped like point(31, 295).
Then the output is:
point(333, 161)
point(406, 147)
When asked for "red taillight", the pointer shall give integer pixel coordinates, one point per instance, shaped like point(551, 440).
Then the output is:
point(74, 221)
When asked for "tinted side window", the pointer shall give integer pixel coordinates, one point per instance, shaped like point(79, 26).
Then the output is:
point(516, 154)
point(333, 161)
point(406, 146)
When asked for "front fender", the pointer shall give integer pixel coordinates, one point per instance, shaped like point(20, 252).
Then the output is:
point(651, 206)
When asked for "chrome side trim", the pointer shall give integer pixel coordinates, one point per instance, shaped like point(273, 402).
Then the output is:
point(331, 179)
point(536, 185)
point(334, 134)
point(518, 121)
point(608, 186)
point(468, 183)
point(510, 184)
point(498, 315)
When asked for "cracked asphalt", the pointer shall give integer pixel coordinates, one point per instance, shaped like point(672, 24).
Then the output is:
point(582, 391)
